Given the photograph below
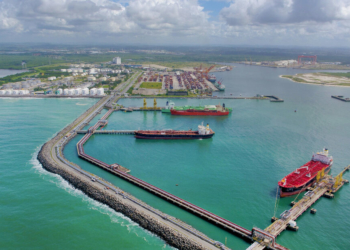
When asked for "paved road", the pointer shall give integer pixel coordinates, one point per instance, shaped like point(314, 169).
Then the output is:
point(122, 88)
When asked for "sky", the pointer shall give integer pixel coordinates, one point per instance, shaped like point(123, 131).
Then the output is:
point(177, 22)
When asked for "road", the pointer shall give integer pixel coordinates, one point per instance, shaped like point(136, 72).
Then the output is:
point(122, 88)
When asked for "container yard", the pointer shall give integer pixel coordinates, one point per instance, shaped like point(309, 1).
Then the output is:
point(185, 80)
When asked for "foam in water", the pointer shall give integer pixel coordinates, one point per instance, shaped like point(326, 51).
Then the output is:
point(114, 216)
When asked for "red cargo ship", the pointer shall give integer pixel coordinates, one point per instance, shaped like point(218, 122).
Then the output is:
point(303, 177)
point(202, 133)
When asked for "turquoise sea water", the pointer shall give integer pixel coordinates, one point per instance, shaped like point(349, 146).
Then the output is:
point(39, 210)
point(234, 174)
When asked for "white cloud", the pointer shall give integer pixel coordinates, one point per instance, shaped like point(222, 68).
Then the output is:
point(105, 17)
point(176, 21)
point(257, 12)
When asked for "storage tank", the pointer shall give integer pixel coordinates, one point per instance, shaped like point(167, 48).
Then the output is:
point(15, 92)
point(2, 92)
point(65, 92)
point(100, 91)
point(77, 91)
point(93, 91)
point(23, 92)
point(70, 91)
point(8, 92)
point(59, 92)
point(85, 91)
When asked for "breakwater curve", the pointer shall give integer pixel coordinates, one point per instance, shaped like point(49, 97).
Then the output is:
point(175, 232)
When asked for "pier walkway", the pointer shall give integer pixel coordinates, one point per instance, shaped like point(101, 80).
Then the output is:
point(118, 132)
point(229, 226)
point(324, 187)
point(341, 98)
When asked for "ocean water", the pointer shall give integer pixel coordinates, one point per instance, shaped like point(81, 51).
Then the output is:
point(40, 210)
point(6, 72)
point(234, 174)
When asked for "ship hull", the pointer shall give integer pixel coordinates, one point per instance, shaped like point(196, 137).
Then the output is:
point(172, 137)
point(199, 113)
point(285, 192)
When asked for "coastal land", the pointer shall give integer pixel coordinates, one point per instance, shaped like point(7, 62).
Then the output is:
point(321, 78)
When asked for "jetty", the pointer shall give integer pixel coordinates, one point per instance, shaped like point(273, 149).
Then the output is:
point(274, 98)
point(175, 232)
point(159, 192)
point(325, 186)
point(341, 98)
point(117, 132)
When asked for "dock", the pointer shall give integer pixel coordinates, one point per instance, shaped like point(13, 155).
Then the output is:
point(341, 98)
point(118, 132)
point(159, 192)
point(122, 172)
point(274, 98)
point(326, 186)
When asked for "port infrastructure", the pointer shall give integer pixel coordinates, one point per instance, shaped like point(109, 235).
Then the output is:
point(325, 186)
point(341, 98)
point(215, 219)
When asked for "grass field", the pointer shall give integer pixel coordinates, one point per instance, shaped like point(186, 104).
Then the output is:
point(151, 85)
point(338, 74)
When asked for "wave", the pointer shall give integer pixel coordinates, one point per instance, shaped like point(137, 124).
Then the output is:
point(81, 104)
point(92, 204)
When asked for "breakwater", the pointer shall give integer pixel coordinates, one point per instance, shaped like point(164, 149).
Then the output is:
point(173, 231)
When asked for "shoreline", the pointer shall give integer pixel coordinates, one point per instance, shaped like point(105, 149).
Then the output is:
point(316, 84)
point(171, 230)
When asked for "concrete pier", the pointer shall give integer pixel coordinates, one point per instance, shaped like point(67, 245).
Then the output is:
point(341, 98)
point(175, 232)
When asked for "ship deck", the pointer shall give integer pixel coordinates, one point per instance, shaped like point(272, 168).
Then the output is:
point(302, 175)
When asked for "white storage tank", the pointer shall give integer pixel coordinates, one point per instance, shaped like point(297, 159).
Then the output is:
point(15, 92)
point(77, 91)
point(70, 91)
point(23, 92)
point(59, 92)
point(8, 92)
point(2, 92)
point(93, 91)
point(65, 92)
point(100, 91)
point(85, 91)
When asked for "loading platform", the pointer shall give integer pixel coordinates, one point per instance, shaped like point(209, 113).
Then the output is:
point(176, 200)
point(274, 98)
point(119, 132)
point(326, 186)
point(341, 98)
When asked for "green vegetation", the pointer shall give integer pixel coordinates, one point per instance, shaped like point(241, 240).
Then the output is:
point(130, 90)
point(151, 85)
point(347, 75)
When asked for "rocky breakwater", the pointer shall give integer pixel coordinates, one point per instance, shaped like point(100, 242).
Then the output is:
point(95, 190)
